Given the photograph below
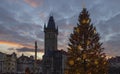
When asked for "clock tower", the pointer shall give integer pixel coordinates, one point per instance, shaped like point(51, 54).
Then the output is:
point(53, 59)
point(50, 37)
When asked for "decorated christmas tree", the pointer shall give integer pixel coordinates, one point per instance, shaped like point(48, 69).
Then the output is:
point(85, 51)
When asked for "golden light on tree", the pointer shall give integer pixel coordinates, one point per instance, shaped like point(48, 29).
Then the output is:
point(77, 30)
point(79, 47)
point(84, 56)
point(78, 59)
point(71, 62)
point(84, 21)
point(96, 62)
point(88, 21)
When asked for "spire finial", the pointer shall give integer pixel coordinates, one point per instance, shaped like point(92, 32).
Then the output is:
point(83, 4)
point(51, 12)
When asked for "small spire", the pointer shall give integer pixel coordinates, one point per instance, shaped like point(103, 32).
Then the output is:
point(35, 44)
point(83, 4)
point(44, 25)
point(51, 11)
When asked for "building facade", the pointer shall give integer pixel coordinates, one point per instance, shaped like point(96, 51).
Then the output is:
point(114, 65)
point(2, 56)
point(10, 64)
point(31, 63)
point(24, 62)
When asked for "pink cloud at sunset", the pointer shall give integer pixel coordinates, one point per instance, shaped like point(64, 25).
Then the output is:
point(34, 3)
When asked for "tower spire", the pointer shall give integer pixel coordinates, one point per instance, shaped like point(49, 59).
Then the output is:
point(35, 63)
point(35, 50)
point(51, 23)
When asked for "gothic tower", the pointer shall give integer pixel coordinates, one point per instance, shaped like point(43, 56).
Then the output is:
point(50, 46)
point(51, 33)
point(52, 62)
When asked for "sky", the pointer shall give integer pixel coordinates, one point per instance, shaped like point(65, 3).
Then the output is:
point(22, 23)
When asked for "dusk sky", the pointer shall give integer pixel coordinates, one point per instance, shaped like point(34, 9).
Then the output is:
point(22, 23)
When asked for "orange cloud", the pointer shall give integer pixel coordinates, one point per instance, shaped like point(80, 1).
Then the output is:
point(34, 3)
point(13, 44)
point(10, 44)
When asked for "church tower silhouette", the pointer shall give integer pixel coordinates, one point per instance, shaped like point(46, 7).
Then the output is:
point(52, 62)
point(51, 33)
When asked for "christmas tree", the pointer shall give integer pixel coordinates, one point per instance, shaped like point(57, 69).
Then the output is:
point(85, 51)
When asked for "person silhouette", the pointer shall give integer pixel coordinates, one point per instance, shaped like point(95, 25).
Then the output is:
point(27, 71)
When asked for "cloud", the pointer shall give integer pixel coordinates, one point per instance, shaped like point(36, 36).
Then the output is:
point(25, 49)
point(34, 3)
point(110, 33)
point(14, 28)
point(110, 27)
point(10, 44)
